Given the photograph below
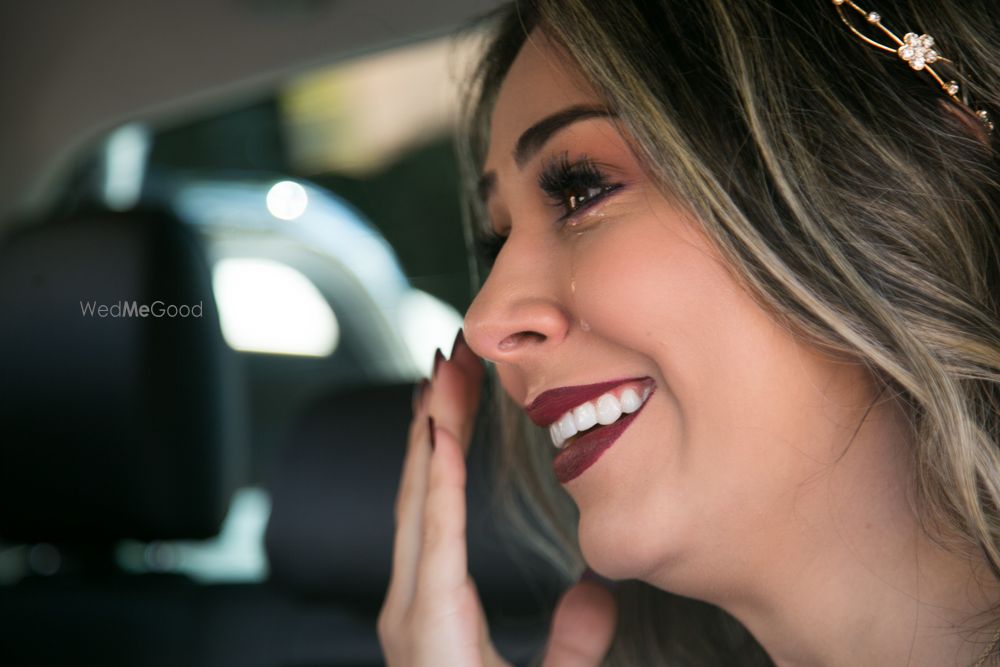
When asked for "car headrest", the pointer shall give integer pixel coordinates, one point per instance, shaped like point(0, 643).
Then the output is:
point(330, 532)
point(112, 400)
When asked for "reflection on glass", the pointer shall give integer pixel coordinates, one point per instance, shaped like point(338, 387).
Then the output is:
point(125, 165)
point(266, 306)
point(287, 200)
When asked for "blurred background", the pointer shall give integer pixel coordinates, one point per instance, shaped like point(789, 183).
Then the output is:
point(230, 243)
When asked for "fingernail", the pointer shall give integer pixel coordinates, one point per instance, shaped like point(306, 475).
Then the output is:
point(459, 340)
point(438, 358)
point(590, 575)
point(418, 394)
point(430, 426)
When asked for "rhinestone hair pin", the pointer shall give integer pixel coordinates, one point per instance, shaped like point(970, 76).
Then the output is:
point(915, 50)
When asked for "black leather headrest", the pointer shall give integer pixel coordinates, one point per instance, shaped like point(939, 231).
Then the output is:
point(331, 526)
point(112, 420)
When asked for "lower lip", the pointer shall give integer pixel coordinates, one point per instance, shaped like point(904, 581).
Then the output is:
point(579, 455)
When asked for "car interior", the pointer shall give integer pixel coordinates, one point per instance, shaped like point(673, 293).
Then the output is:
point(230, 242)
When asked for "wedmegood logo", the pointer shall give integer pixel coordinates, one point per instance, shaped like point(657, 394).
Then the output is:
point(126, 309)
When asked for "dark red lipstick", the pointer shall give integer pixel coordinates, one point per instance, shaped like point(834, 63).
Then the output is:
point(584, 449)
point(552, 404)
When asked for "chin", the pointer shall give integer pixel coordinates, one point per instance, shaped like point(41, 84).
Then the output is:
point(613, 550)
point(661, 550)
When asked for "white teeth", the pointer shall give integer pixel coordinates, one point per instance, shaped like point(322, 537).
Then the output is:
point(585, 416)
point(606, 410)
point(567, 426)
point(630, 401)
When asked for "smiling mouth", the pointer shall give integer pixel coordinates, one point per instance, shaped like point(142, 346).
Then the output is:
point(573, 438)
point(584, 449)
point(600, 412)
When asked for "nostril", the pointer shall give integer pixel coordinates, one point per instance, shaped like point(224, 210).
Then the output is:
point(514, 340)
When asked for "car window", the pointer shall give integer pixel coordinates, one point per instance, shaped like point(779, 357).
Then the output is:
point(327, 208)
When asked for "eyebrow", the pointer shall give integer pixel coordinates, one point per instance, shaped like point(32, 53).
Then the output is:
point(532, 139)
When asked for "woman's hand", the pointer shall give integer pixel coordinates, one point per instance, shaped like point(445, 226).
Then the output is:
point(432, 616)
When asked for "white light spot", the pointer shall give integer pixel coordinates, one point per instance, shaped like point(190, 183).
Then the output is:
point(125, 166)
point(287, 200)
point(267, 306)
point(237, 553)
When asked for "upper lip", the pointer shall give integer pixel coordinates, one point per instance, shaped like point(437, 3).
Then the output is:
point(552, 404)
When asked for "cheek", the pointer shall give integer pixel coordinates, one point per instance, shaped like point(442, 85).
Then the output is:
point(655, 286)
point(649, 283)
point(718, 438)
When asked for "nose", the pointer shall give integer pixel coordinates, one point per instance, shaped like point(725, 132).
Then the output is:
point(519, 312)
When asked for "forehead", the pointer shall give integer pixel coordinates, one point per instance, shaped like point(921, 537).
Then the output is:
point(541, 81)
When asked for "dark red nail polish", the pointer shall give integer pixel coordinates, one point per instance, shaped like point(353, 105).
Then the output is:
point(438, 358)
point(459, 340)
point(430, 425)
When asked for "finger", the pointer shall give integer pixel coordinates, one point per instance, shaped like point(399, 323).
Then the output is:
point(409, 507)
point(456, 388)
point(463, 355)
point(411, 496)
point(583, 627)
point(420, 395)
point(443, 567)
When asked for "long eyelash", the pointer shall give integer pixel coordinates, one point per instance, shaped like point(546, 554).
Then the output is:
point(560, 175)
point(488, 244)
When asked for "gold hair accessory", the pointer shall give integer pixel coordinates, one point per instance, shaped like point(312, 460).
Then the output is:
point(989, 649)
point(915, 50)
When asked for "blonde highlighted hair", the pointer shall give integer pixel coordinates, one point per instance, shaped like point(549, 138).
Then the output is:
point(848, 196)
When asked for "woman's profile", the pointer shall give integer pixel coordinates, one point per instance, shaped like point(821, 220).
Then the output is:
point(743, 301)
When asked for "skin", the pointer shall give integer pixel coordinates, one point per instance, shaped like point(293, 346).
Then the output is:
point(764, 475)
point(432, 615)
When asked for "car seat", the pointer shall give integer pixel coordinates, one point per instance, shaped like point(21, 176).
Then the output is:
point(329, 538)
point(112, 425)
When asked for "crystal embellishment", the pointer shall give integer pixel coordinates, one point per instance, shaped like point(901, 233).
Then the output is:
point(951, 88)
point(984, 117)
point(918, 50)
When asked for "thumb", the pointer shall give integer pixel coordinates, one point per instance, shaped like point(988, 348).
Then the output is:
point(582, 627)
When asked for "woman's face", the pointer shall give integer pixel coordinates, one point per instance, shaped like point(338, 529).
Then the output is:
point(602, 278)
